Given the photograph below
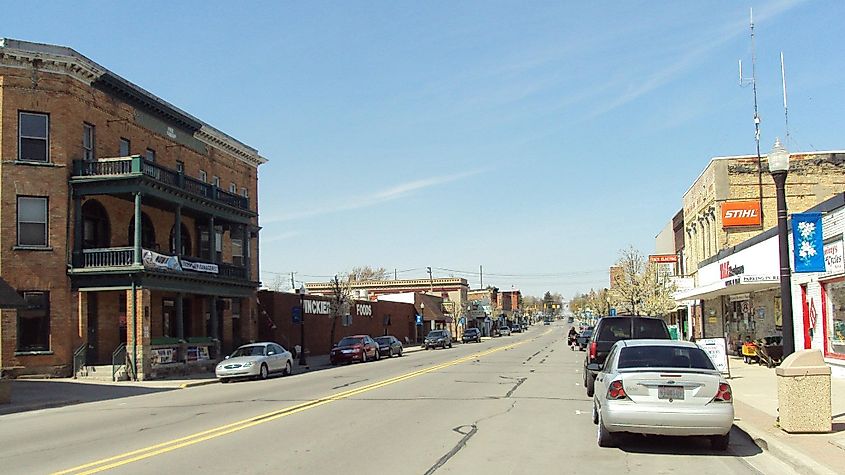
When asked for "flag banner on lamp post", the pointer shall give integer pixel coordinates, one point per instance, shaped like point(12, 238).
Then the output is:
point(807, 243)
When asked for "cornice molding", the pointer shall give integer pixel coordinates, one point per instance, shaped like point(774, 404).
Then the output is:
point(83, 71)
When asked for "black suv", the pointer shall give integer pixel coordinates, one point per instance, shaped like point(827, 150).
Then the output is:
point(609, 330)
point(436, 338)
point(471, 334)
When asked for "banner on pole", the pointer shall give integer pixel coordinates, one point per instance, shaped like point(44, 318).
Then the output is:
point(807, 243)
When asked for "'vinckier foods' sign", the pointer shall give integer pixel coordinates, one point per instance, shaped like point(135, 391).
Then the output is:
point(740, 213)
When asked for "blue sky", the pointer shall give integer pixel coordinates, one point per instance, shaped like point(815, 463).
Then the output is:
point(534, 138)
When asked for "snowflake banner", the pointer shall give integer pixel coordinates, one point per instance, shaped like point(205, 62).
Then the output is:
point(807, 243)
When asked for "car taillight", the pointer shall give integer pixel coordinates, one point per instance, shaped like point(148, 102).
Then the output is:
point(616, 391)
point(593, 350)
point(724, 394)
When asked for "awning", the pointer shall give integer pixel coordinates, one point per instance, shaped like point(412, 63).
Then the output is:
point(9, 297)
point(740, 284)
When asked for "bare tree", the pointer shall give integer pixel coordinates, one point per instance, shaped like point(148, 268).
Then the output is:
point(341, 299)
point(364, 273)
point(637, 288)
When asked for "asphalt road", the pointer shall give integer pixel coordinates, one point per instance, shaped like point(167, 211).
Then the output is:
point(511, 405)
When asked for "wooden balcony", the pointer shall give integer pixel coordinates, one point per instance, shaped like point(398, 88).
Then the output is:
point(136, 166)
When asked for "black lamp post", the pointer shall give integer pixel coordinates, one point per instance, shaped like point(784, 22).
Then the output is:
point(778, 160)
point(302, 291)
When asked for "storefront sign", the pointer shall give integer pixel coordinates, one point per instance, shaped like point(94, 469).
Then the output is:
point(663, 258)
point(808, 249)
point(162, 356)
point(318, 307)
point(364, 310)
point(154, 260)
point(833, 257)
point(716, 349)
point(740, 213)
point(725, 270)
point(200, 267)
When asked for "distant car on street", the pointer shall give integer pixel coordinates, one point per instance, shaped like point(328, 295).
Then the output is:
point(354, 348)
point(661, 387)
point(504, 331)
point(547, 322)
point(471, 334)
point(516, 328)
point(436, 338)
point(255, 360)
point(609, 330)
point(389, 345)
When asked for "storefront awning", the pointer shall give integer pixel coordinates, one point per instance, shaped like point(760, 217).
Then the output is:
point(740, 284)
point(9, 297)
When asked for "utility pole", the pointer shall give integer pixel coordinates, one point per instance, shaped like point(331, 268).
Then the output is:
point(395, 275)
point(430, 281)
point(292, 284)
point(481, 276)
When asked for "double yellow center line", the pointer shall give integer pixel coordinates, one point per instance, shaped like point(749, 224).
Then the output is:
point(164, 447)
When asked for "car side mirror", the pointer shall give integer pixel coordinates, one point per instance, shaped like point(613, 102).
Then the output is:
point(334, 346)
point(594, 367)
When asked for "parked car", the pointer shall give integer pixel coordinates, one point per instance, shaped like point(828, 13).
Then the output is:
point(661, 387)
point(435, 338)
point(516, 328)
point(504, 331)
point(471, 334)
point(547, 322)
point(583, 338)
point(354, 348)
point(609, 330)
point(389, 345)
point(255, 360)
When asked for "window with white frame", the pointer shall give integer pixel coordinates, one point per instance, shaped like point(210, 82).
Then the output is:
point(203, 176)
point(150, 155)
point(215, 180)
point(32, 221)
point(88, 142)
point(233, 188)
point(244, 192)
point(237, 247)
point(33, 137)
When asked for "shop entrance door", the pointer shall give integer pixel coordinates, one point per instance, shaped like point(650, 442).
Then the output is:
point(91, 355)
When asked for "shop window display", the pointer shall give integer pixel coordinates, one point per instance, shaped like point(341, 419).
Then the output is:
point(835, 325)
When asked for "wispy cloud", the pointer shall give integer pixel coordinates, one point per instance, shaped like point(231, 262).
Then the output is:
point(365, 201)
point(693, 55)
point(278, 237)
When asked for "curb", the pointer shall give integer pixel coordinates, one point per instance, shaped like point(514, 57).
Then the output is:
point(797, 460)
point(194, 384)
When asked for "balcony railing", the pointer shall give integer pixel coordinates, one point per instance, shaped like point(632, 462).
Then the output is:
point(137, 165)
point(124, 257)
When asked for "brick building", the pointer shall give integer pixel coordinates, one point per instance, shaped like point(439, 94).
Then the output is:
point(366, 317)
point(124, 221)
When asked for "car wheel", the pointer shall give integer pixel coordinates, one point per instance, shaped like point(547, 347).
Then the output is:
point(603, 436)
point(450, 344)
point(364, 357)
point(720, 442)
point(400, 352)
point(591, 386)
point(288, 369)
point(263, 372)
point(595, 414)
point(224, 380)
point(378, 355)
point(390, 354)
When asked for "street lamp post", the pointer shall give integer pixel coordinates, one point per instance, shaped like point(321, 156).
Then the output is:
point(302, 291)
point(422, 325)
point(778, 160)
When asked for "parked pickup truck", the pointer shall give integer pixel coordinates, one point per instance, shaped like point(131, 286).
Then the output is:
point(609, 330)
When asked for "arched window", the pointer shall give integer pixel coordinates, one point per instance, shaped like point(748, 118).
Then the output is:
point(148, 232)
point(96, 230)
point(186, 240)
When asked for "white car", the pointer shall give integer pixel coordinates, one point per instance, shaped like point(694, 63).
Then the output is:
point(255, 360)
point(661, 387)
point(505, 331)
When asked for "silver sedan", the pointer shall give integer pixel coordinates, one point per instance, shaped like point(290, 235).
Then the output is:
point(255, 360)
point(661, 387)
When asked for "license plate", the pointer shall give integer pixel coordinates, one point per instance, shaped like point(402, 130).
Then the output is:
point(346, 351)
point(670, 392)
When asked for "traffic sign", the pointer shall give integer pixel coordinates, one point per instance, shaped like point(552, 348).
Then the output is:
point(296, 314)
point(612, 312)
point(419, 320)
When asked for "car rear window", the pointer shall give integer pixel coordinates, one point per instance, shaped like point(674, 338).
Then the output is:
point(614, 330)
point(646, 329)
point(664, 357)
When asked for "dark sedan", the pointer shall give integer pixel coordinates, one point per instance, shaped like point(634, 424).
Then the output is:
point(354, 348)
point(583, 339)
point(389, 345)
point(471, 334)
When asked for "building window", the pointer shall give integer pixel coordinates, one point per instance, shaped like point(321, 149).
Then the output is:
point(125, 147)
point(33, 137)
point(215, 181)
point(203, 176)
point(88, 142)
point(834, 318)
point(237, 247)
point(233, 188)
point(34, 322)
point(244, 193)
point(32, 221)
point(150, 155)
point(180, 166)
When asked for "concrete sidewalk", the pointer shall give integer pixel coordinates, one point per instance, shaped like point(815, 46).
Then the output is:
point(756, 405)
point(35, 394)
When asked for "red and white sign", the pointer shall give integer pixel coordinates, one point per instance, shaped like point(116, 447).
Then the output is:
point(740, 213)
point(663, 258)
point(834, 260)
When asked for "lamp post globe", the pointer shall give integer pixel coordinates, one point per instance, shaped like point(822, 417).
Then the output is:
point(778, 160)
